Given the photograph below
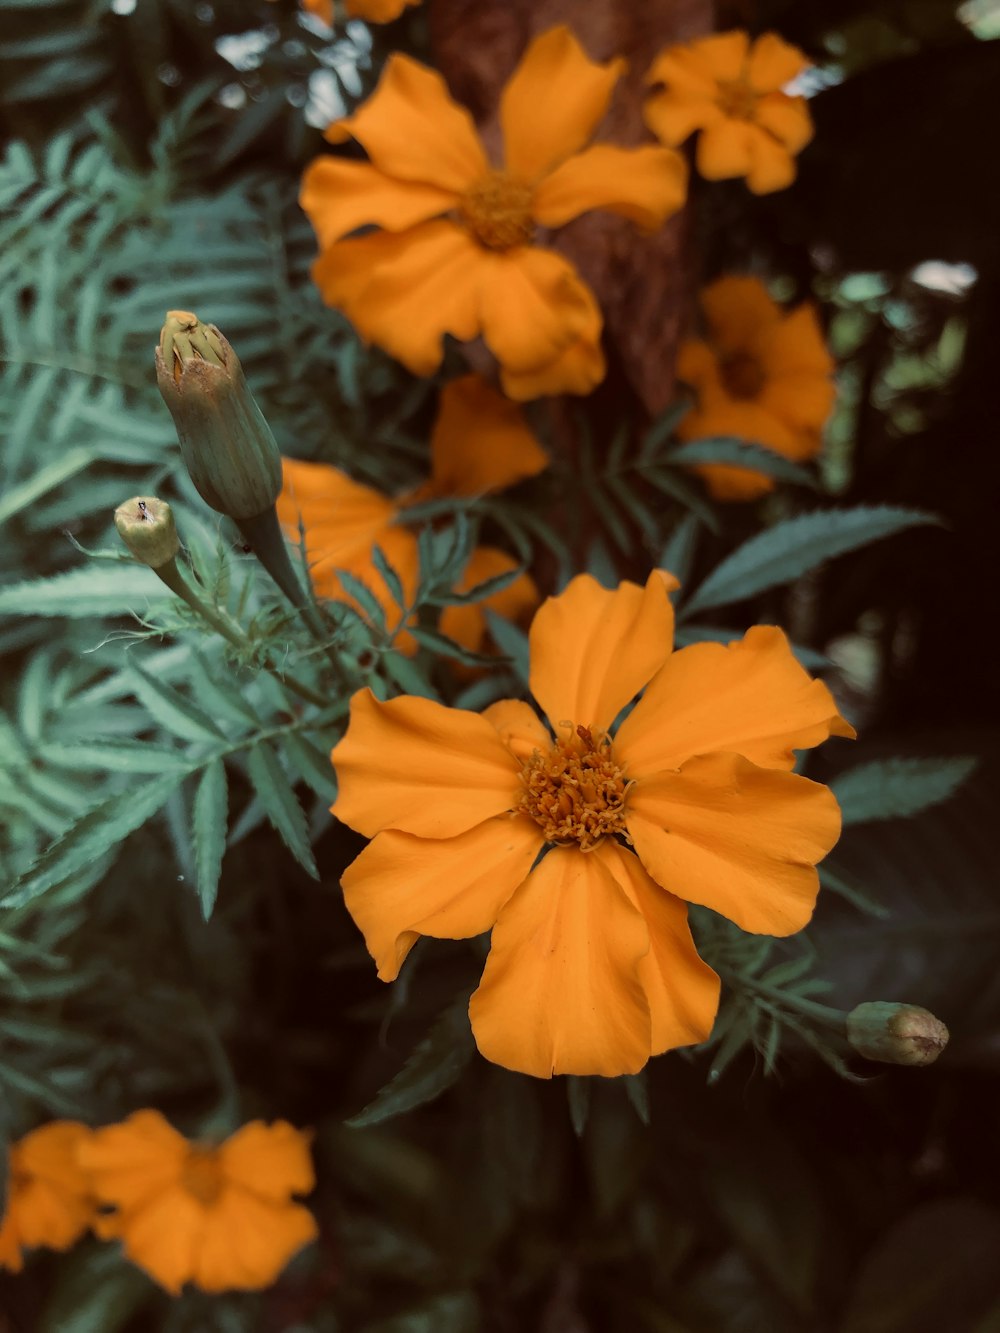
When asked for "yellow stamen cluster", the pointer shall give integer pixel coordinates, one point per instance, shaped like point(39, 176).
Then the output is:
point(201, 1174)
point(742, 375)
point(736, 98)
point(497, 210)
point(575, 792)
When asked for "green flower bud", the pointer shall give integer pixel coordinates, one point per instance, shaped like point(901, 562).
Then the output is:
point(146, 526)
point(226, 444)
point(896, 1034)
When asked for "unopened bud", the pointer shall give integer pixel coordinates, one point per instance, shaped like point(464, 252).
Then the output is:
point(146, 526)
point(896, 1034)
point(226, 444)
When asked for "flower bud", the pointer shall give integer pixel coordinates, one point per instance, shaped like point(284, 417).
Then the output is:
point(226, 444)
point(896, 1034)
point(146, 526)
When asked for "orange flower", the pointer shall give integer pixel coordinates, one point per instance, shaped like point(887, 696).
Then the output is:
point(761, 375)
point(730, 89)
point(49, 1201)
point(456, 247)
point(371, 11)
point(220, 1217)
point(591, 967)
point(480, 443)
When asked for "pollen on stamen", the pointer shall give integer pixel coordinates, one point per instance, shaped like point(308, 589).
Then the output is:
point(575, 792)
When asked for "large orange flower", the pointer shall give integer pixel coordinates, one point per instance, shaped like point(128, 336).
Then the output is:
point(731, 90)
point(456, 250)
point(49, 1199)
point(480, 443)
point(760, 374)
point(591, 967)
point(371, 11)
point(221, 1216)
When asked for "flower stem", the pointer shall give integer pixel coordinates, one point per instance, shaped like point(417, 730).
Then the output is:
point(171, 575)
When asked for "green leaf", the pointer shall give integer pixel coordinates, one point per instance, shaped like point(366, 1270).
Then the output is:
point(101, 589)
point(637, 1091)
point(94, 1290)
point(789, 549)
point(740, 453)
point(512, 642)
point(435, 1065)
point(176, 714)
point(209, 822)
point(895, 788)
point(445, 647)
point(114, 756)
point(578, 1096)
point(313, 766)
point(280, 804)
point(99, 829)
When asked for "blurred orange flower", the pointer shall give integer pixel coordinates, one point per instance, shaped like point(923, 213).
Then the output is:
point(760, 374)
point(221, 1216)
point(480, 443)
point(49, 1199)
point(456, 248)
point(371, 11)
point(730, 89)
point(592, 968)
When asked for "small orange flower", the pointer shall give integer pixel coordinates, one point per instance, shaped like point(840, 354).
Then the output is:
point(221, 1216)
point(456, 250)
point(761, 375)
point(49, 1199)
point(480, 443)
point(591, 967)
point(731, 90)
point(371, 11)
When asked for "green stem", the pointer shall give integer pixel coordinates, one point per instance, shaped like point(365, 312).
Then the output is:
point(263, 534)
point(171, 575)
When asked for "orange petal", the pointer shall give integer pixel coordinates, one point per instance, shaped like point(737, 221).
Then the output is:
point(646, 185)
point(750, 698)
point(402, 887)
point(773, 63)
point(698, 366)
point(553, 102)
point(165, 1236)
point(684, 72)
point(681, 989)
point(739, 313)
point(795, 345)
point(339, 195)
point(520, 727)
point(412, 129)
point(10, 1243)
point(131, 1162)
point(724, 150)
point(772, 166)
point(742, 420)
point(323, 10)
point(416, 766)
point(273, 1160)
point(466, 624)
point(803, 403)
point(399, 546)
point(51, 1154)
point(723, 53)
point(247, 1242)
point(405, 291)
point(578, 369)
point(593, 648)
point(787, 118)
point(739, 839)
point(561, 993)
point(531, 307)
point(480, 441)
point(377, 11)
point(675, 115)
point(338, 514)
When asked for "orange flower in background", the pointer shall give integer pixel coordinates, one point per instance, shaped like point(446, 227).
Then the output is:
point(371, 11)
point(592, 968)
point(457, 247)
point(480, 443)
point(221, 1216)
point(730, 89)
point(49, 1199)
point(760, 374)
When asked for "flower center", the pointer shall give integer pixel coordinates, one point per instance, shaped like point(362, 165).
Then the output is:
point(201, 1174)
point(737, 99)
point(742, 375)
point(497, 210)
point(575, 792)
